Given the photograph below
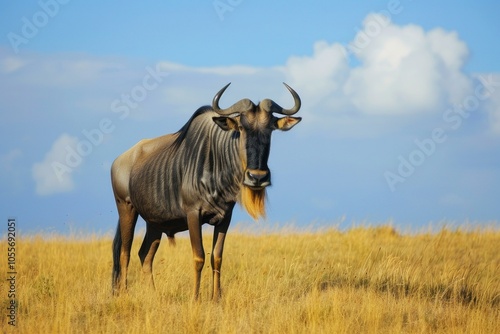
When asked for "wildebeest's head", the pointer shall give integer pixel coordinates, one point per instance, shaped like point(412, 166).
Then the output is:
point(255, 123)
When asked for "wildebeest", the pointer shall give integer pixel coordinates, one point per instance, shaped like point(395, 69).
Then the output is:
point(180, 181)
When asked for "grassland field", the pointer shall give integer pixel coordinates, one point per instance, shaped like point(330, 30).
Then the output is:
point(361, 280)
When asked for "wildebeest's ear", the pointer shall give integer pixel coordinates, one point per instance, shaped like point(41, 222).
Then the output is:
point(286, 123)
point(226, 123)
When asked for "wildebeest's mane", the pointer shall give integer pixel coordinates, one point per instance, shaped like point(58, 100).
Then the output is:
point(182, 133)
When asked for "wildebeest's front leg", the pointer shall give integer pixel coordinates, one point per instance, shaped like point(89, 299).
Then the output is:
point(220, 231)
point(194, 226)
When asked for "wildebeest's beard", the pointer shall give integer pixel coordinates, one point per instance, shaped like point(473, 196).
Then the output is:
point(253, 201)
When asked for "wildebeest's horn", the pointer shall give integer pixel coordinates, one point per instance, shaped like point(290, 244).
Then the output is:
point(238, 107)
point(279, 110)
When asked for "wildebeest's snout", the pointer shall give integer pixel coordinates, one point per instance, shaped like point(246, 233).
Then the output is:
point(258, 179)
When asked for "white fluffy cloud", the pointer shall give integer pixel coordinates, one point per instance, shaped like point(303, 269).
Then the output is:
point(402, 70)
point(406, 70)
point(53, 174)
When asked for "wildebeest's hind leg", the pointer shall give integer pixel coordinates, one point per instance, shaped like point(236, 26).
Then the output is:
point(122, 244)
point(148, 250)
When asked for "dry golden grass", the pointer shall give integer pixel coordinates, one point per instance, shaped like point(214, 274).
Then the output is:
point(363, 280)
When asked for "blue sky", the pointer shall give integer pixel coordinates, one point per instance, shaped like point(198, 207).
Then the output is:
point(401, 103)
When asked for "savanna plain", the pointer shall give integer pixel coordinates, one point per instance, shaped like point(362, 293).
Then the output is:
point(358, 280)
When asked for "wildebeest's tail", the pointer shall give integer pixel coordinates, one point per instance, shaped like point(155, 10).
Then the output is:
point(117, 245)
point(171, 238)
